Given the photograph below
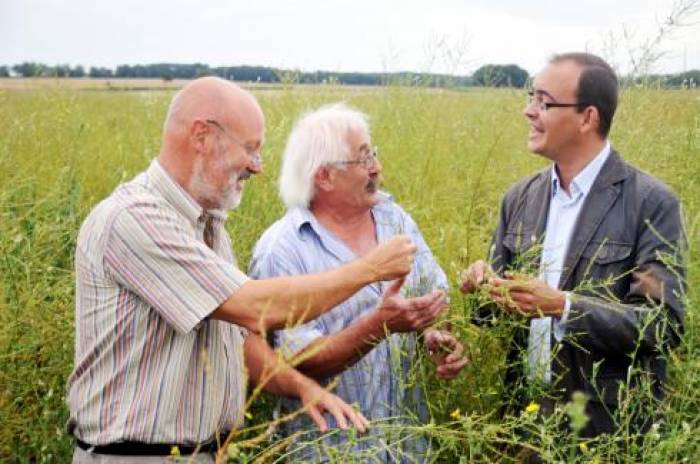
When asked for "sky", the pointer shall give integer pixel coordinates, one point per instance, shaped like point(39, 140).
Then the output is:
point(449, 36)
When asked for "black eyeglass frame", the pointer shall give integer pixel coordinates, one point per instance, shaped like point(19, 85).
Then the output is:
point(545, 106)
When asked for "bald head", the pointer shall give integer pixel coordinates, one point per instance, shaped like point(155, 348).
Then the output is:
point(212, 126)
point(212, 98)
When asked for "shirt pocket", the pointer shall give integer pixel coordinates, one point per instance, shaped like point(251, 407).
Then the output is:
point(606, 264)
point(607, 252)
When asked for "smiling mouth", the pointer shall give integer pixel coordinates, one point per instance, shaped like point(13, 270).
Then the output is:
point(534, 131)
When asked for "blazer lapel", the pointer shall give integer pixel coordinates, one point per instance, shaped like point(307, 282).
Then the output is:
point(537, 208)
point(600, 199)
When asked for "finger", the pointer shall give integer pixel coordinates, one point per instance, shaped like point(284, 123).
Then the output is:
point(500, 282)
point(521, 297)
point(450, 371)
point(505, 303)
point(420, 302)
point(456, 349)
point(357, 419)
point(431, 314)
point(333, 407)
point(432, 339)
point(467, 286)
point(318, 419)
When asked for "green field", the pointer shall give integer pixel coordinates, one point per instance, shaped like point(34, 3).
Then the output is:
point(448, 156)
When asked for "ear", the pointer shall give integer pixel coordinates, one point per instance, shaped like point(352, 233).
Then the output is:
point(323, 179)
point(591, 120)
point(197, 131)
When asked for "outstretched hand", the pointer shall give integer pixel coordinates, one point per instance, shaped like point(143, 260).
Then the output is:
point(316, 400)
point(401, 314)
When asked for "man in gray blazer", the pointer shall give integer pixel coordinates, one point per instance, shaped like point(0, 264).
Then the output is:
point(588, 251)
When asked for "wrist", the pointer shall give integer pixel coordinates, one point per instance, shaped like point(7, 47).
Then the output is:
point(299, 383)
point(377, 326)
point(364, 270)
point(561, 304)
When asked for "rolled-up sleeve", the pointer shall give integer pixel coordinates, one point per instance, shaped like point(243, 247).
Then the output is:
point(151, 252)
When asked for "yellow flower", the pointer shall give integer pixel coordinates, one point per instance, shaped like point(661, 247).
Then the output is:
point(456, 414)
point(532, 408)
point(174, 451)
point(583, 446)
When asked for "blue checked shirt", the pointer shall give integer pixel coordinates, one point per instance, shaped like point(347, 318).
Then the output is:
point(379, 383)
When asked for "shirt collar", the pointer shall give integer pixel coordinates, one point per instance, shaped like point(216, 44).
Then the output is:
point(303, 216)
point(178, 197)
point(582, 183)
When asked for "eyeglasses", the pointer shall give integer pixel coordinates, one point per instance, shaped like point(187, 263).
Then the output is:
point(368, 160)
point(541, 105)
point(255, 155)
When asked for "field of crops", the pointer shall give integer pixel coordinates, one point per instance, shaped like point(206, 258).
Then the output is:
point(448, 156)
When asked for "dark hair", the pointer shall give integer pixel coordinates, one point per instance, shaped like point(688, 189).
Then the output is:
point(597, 86)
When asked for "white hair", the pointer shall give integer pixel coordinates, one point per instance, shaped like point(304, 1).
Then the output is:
point(318, 138)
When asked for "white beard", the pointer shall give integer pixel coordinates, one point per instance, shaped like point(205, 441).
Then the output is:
point(203, 191)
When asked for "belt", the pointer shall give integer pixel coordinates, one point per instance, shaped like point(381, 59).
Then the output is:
point(135, 448)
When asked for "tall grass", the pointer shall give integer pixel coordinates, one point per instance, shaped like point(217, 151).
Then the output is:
point(448, 156)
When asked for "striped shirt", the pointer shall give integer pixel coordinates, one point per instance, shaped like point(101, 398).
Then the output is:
point(149, 364)
point(380, 382)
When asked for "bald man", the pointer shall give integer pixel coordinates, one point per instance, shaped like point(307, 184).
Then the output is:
point(166, 323)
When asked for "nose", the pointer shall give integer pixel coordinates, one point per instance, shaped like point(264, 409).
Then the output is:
point(376, 167)
point(530, 110)
point(255, 165)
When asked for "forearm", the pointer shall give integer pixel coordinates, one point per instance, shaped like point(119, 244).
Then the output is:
point(274, 303)
point(614, 327)
point(331, 355)
point(268, 370)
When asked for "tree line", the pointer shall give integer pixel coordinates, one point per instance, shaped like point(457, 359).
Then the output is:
point(490, 75)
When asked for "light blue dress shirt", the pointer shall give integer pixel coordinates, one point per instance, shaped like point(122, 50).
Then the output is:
point(380, 383)
point(561, 219)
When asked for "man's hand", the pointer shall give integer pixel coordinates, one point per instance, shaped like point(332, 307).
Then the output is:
point(476, 274)
point(527, 296)
point(446, 352)
point(399, 314)
point(317, 400)
point(392, 259)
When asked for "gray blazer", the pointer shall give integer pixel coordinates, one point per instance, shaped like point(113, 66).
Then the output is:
point(626, 276)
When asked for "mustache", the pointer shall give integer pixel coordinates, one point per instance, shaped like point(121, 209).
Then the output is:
point(373, 184)
point(245, 175)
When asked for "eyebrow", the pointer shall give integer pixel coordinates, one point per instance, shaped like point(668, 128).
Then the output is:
point(544, 92)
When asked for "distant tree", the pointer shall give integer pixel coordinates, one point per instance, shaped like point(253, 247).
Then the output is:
point(60, 70)
point(100, 72)
point(497, 75)
point(28, 69)
point(686, 79)
point(4, 71)
point(78, 71)
point(124, 70)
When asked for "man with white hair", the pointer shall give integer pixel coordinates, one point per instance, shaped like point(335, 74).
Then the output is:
point(165, 320)
point(330, 184)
